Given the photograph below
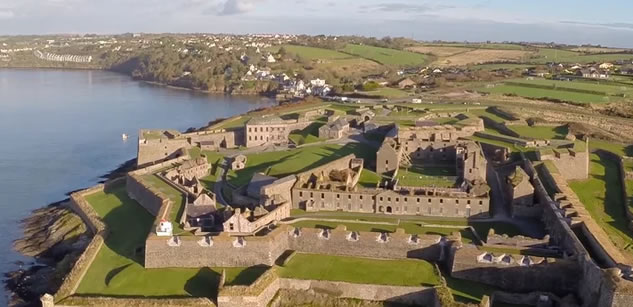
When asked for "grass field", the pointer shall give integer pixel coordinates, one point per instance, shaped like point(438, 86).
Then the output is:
point(118, 271)
point(426, 176)
point(361, 270)
point(623, 150)
point(386, 56)
point(538, 93)
point(281, 163)
point(601, 195)
point(369, 179)
point(541, 132)
point(545, 55)
point(308, 135)
point(313, 53)
point(387, 92)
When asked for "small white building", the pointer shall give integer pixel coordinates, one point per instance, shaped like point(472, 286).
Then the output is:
point(317, 82)
point(271, 59)
point(164, 229)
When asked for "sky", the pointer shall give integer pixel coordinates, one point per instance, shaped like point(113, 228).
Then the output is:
point(606, 22)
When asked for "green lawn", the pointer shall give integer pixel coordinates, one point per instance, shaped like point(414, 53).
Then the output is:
point(118, 271)
point(601, 196)
point(308, 135)
point(539, 132)
point(361, 270)
point(369, 179)
point(386, 56)
point(427, 176)
point(282, 163)
point(232, 123)
point(468, 291)
point(623, 150)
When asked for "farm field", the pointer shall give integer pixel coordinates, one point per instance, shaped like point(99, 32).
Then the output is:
point(313, 53)
point(601, 195)
point(361, 270)
point(461, 56)
point(386, 56)
point(118, 270)
point(539, 93)
point(545, 55)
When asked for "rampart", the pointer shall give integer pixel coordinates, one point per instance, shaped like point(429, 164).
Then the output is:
point(596, 287)
point(226, 251)
point(158, 150)
point(570, 163)
point(261, 292)
point(217, 251)
point(80, 206)
point(339, 241)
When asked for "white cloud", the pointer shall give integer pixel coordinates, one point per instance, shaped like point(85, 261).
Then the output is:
point(6, 14)
point(234, 7)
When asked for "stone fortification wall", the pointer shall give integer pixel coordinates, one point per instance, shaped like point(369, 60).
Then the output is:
point(222, 138)
point(182, 156)
point(146, 195)
point(596, 287)
point(572, 165)
point(257, 294)
point(224, 251)
point(80, 206)
point(157, 150)
point(559, 276)
point(414, 296)
point(262, 291)
point(342, 242)
point(504, 138)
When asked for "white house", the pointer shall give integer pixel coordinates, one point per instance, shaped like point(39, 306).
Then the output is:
point(317, 82)
point(271, 59)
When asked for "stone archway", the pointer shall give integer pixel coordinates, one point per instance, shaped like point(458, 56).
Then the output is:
point(381, 209)
point(389, 210)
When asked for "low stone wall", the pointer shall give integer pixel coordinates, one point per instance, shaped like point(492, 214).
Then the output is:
point(262, 291)
point(258, 294)
point(416, 296)
point(139, 302)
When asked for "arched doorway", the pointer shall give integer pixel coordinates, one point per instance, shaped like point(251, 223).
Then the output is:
point(389, 209)
point(381, 209)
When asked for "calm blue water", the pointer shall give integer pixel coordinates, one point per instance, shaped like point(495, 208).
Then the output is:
point(61, 130)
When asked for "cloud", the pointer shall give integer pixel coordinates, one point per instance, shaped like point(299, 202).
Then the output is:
point(615, 25)
point(6, 14)
point(404, 7)
point(234, 7)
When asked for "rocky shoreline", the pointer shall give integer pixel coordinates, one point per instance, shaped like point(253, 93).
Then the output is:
point(54, 237)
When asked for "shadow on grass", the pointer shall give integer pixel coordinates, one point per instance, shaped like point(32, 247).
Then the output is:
point(248, 275)
point(613, 201)
point(203, 284)
point(113, 273)
point(129, 224)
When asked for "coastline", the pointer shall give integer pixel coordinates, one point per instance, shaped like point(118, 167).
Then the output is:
point(156, 83)
point(51, 257)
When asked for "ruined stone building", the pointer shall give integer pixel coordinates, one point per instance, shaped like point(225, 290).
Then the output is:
point(520, 192)
point(271, 129)
point(335, 129)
